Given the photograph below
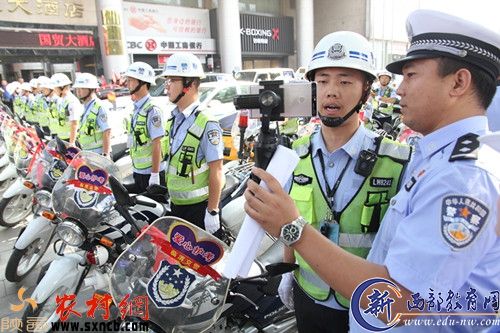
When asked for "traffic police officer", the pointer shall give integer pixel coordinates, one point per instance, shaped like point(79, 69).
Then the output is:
point(94, 133)
point(438, 236)
point(146, 129)
point(64, 120)
point(41, 104)
point(345, 178)
point(193, 147)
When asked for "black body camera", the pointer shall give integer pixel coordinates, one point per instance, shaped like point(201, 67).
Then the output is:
point(365, 163)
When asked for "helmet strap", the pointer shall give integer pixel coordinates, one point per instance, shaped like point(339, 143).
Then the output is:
point(136, 89)
point(337, 121)
point(186, 82)
point(84, 98)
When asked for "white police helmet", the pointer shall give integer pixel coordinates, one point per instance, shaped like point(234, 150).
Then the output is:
point(86, 80)
point(34, 83)
point(25, 86)
point(141, 71)
point(60, 80)
point(384, 72)
point(342, 49)
point(183, 64)
point(44, 82)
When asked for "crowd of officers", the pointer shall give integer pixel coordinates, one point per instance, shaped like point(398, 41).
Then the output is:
point(184, 152)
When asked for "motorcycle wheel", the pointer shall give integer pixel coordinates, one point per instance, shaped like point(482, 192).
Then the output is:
point(46, 310)
point(14, 209)
point(6, 184)
point(22, 262)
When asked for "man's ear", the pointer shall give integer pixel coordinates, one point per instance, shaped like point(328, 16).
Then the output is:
point(462, 81)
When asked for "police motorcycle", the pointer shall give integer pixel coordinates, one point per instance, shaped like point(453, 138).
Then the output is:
point(34, 240)
point(16, 202)
point(174, 267)
point(8, 173)
point(91, 233)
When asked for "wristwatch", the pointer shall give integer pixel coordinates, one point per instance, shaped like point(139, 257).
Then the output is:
point(213, 212)
point(291, 232)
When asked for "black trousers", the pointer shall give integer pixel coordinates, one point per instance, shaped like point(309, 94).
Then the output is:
point(193, 213)
point(141, 183)
point(317, 318)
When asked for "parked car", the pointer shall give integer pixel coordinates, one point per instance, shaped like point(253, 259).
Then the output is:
point(215, 77)
point(262, 74)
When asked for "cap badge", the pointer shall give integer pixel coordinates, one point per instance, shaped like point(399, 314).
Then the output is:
point(336, 52)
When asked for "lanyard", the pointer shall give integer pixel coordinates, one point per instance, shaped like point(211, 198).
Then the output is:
point(175, 130)
point(330, 192)
point(85, 113)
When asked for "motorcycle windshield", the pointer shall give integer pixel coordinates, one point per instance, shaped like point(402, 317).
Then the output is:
point(173, 270)
point(50, 165)
point(24, 152)
point(83, 193)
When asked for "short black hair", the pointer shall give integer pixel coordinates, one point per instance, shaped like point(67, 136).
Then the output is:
point(483, 83)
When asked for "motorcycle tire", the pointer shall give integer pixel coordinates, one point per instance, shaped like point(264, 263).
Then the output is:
point(11, 270)
point(10, 222)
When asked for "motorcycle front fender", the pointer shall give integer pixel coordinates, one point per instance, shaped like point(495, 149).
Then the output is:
point(9, 172)
point(16, 188)
point(36, 228)
point(64, 271)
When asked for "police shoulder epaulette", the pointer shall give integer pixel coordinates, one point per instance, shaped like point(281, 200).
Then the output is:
point(466, 148)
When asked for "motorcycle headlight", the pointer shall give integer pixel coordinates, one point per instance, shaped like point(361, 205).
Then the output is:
point(44, 199)
point(71, 233)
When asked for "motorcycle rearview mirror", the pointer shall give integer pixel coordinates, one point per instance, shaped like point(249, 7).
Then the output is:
point(120, 192)
point(61, 147)
point(39, 132)
point(280, 268)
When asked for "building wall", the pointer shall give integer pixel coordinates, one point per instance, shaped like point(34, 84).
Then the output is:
point(337, 15)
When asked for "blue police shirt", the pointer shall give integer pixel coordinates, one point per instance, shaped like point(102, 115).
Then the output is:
point(439, 232)
point(335, 162)
point(102, 118)
point(154, 125)
point(210, 148)
point(493, 112)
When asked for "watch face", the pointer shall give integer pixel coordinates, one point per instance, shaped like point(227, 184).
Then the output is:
point(291, 233)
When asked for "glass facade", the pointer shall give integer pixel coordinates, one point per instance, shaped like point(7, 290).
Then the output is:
point(266, 7)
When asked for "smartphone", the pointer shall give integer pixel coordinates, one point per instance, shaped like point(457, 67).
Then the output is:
point(298, 99)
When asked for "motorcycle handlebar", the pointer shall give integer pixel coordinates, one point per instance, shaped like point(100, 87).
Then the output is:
point(145, 203)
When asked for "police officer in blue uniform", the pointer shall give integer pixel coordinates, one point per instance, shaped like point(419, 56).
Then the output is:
point(193, 147)
point(146, 130)
point(438, 235)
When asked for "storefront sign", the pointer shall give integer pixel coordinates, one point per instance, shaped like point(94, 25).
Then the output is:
point(111, 23)
point(169, 45)
point(266, 35)
point(46, 39)
point(148, 20)
point(72, 12)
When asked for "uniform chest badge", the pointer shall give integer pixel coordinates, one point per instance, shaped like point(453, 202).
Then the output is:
point(302, 179)
point(413, 180)
point(169, 286)
point(462, 219)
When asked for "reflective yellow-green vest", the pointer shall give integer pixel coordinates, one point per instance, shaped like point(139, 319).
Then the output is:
point(89, 136)
point(187, 178)
point(359, 220)
point(17, 105)
point(42, 115)
point(59, 122)
point(141, 150)
point(29, 111)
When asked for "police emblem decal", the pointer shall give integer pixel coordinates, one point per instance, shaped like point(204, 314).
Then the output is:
point(169, 285)
point(302, 179)
point(213, 137)
point(336, 52)
point(85, 199)
point(462, 219)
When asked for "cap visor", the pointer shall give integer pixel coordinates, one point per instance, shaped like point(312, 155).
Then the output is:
point(396, 67)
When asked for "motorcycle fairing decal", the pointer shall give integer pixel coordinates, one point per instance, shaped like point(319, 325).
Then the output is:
point(71, 152)
point(56, 171)
point(91, 180)
point(85, 199)
point(169, 285)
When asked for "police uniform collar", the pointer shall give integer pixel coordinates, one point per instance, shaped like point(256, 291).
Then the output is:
point(187, 111)
point(440, 138)
point(351, 147)
point(435, 34)
point(140, 102)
